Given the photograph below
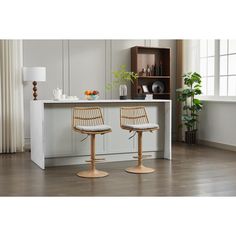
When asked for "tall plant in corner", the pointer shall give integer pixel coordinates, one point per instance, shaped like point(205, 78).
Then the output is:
point(191, 105)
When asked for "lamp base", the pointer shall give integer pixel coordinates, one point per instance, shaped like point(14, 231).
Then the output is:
point(35, 90)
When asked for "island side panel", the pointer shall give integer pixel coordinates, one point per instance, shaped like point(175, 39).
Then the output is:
point(168, 122)
point(37, 132)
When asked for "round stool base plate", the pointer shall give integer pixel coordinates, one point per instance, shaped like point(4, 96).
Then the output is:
point(140, 170)
point(92, 174)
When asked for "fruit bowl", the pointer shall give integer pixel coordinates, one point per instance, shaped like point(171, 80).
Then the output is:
point(91, 94)
point(91, 97)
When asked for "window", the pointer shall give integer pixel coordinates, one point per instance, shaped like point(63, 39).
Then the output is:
point(207, 66)
point(227, 68)
point(218, 68)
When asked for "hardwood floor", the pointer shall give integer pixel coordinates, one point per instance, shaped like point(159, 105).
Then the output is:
point(194, 171)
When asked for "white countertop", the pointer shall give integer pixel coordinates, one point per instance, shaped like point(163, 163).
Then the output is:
point(103, 101)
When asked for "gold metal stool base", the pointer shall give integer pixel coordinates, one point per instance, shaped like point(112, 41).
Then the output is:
point(140, 170)
point(92, 174)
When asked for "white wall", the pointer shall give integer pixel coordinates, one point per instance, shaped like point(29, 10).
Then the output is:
point(77, 65)
point(217, 123)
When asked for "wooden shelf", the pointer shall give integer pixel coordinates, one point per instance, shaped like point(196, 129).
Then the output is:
point(161, 93)
point(155, 77)
point(158, 60)
point(157, 93)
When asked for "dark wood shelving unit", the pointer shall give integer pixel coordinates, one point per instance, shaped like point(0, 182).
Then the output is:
point(158, 60)
point(154, 77)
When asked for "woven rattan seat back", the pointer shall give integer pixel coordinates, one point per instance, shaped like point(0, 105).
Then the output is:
point(133, 116)
point(87, 116)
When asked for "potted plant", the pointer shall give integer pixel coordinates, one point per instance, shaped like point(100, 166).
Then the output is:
point(121, 78)
point(191, 105)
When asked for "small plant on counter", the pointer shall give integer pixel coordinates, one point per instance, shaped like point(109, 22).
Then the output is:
point(191, 105)
point(121, 76)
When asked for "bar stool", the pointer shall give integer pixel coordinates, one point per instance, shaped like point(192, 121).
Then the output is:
point(135, 119)
point(89, 120)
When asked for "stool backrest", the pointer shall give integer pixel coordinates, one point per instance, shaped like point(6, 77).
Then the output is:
point(87, 116)
point(133, 115)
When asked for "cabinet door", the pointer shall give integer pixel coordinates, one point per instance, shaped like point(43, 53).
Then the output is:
point(58, 130)
point(87, 67)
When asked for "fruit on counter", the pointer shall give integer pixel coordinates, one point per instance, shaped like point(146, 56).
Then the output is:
point(87, 92)
point(91, 92)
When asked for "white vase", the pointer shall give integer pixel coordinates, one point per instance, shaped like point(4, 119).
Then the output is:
point(123, 91)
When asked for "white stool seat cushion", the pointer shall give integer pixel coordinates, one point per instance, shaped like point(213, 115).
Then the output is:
point(94, 128)
point(142, 126)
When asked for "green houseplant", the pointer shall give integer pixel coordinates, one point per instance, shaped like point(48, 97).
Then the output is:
point(191, 105)
point(121, 78)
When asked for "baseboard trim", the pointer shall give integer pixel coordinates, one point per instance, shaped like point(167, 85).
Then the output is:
point(78, 160)
point(218, 145)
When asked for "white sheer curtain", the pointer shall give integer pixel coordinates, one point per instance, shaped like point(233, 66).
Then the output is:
point(11, 97)
point(191, 56)
point(188, 60)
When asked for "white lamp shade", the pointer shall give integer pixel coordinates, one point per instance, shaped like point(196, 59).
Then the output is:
point(34, 73)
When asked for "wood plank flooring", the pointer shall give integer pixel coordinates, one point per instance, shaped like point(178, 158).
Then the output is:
point(194, 171)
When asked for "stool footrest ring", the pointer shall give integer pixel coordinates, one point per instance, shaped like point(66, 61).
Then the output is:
point(96, 159)
point(143, 156)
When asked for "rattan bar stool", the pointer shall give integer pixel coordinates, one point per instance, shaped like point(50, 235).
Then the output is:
point(89, 120)
point(135, 119)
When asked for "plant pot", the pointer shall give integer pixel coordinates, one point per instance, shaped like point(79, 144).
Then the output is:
point(191, 137)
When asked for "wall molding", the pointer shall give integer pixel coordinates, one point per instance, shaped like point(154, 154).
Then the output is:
point(65, 66)
point(108, 67)
point(218, 145)
point(69, 69)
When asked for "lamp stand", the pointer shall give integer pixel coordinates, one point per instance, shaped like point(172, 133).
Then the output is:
point(35, 90)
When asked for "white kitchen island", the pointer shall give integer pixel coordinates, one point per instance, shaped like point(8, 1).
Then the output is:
point(53, 141)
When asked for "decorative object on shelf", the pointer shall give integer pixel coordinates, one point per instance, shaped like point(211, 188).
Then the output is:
point(145, 88)
point(91, 94)
point(153, 70)
point(149, 97)
point(57, 93)
point(160, 68)
point(157, 70)
point(142, 72)
point(191, 105)
point(123, 91)
point(122, 77)
point(140, 95)
point(148, 71)
point(139, 89)
point(158, 87)
point(34, 74)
